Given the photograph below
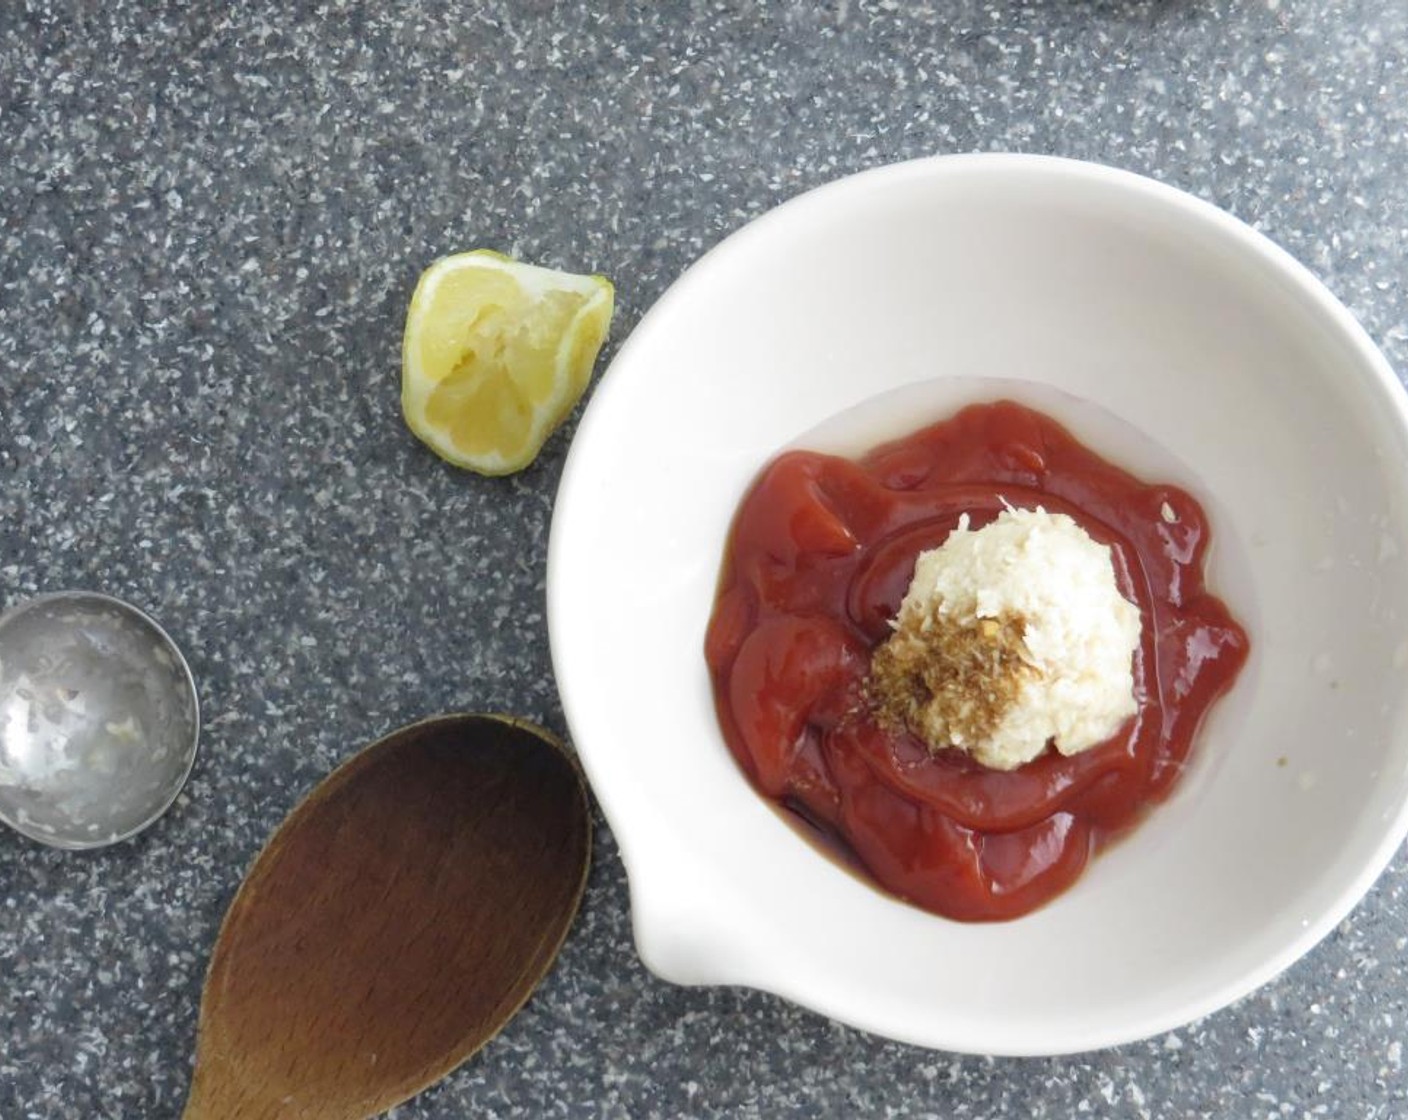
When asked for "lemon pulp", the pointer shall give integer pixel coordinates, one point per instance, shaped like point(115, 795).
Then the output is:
point(496, 353)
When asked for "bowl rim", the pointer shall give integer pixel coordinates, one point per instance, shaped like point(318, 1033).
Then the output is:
point(1368, 365)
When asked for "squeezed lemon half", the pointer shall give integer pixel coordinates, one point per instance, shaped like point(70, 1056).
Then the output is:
point(496, 353)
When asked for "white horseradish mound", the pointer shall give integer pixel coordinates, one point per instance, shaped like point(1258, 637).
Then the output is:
point(1010, 638)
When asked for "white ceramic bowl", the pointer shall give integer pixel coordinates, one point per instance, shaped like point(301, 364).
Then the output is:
point(1238, 373)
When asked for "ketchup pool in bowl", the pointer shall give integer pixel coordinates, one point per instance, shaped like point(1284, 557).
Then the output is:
point(1169, 340)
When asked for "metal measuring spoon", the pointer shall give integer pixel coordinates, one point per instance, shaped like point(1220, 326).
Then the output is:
point(99, 720)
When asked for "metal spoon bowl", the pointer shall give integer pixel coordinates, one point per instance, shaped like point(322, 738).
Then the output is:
point(99, 720)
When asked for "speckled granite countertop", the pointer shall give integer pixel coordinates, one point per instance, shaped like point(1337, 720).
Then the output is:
point(211, 218)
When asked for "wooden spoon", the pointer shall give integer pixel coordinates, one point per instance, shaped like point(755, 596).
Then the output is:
point(395, 922)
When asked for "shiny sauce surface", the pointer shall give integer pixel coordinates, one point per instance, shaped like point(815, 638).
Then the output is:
point(820, 554)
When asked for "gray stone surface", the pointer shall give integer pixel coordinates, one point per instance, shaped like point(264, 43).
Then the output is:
point(211, 218)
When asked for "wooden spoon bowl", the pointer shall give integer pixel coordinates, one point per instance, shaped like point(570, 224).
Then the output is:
point(394, 923)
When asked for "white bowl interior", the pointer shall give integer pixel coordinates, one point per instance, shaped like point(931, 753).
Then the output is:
point(1254, 390)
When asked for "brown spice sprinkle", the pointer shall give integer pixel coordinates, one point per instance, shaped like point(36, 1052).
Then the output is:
point(947, 681)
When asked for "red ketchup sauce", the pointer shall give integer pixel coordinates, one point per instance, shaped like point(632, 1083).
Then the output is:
point(820, 555)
